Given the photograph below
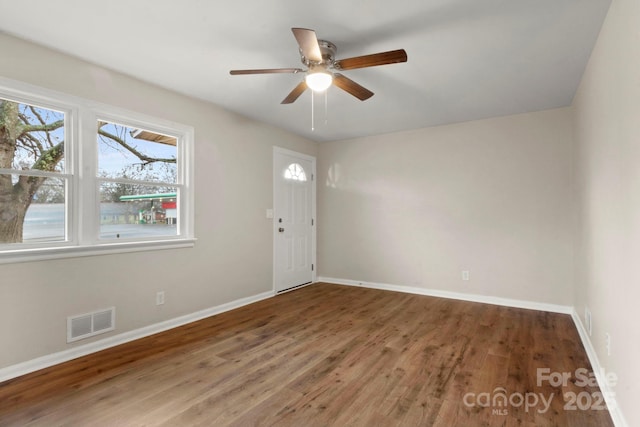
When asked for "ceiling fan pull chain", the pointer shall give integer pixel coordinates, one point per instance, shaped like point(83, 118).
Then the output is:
point(312, 126)
point(326, 114)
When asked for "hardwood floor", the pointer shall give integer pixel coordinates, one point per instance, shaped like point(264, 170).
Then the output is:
point(324, 355)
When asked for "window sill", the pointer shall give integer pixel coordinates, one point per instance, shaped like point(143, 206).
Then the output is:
point(41, 254)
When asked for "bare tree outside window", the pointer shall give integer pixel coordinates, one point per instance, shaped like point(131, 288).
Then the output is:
point(33, 170)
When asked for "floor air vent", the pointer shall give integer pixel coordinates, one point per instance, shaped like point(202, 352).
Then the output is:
point(90, 324)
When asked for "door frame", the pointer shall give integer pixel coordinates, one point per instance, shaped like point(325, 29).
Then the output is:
point(274, 226)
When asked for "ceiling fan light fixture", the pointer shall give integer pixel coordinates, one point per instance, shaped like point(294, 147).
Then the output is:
point(318, 81)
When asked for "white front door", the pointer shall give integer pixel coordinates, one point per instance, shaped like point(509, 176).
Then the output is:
point(293, 219)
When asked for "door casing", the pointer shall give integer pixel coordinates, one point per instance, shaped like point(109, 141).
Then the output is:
point(294, 154)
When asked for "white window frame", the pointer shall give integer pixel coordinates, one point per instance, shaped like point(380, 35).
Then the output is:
point(81, 163)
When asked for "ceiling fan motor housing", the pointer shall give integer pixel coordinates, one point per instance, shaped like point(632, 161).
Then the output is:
point(327, 50)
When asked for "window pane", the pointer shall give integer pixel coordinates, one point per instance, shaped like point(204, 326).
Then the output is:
point(132, 211)
point(36, 133)
point(44, 219)
point(295, 172)
point(136, 154)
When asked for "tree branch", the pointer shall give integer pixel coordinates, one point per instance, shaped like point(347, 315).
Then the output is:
point(35, 148)
point(42, 121)
point(144, 158)
point(37, 115)
point(50, 158)
point(42, 128)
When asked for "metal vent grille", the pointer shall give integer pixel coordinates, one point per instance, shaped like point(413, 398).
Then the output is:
point(89, 324)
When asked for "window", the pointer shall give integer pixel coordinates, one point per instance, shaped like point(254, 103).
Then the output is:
point(34, 178)
point(138, 177)
point(295, 172)
point(134, 192)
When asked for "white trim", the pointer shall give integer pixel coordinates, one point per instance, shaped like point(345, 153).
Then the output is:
point(292, 153)
point(36, 172)
point(508, 302)
point(83, 350)
point(598, 370)
point(59, 252)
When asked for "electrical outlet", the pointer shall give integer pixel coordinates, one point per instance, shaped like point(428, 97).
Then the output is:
point(160, 298)
point(465, 274)
point(607, 339)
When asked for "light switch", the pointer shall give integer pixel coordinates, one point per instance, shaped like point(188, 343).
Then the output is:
point(269, 213)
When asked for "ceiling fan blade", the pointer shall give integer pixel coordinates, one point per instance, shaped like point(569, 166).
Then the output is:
point(266, 71)
point(382, 58)
point(295, 93)
point(308, 43)
point(351, 87)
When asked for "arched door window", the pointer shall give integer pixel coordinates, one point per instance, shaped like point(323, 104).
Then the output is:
point(295, 172)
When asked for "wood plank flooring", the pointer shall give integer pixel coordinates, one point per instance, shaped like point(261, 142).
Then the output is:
point(324, 355)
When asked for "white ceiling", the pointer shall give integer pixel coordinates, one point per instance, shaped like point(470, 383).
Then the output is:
point(468, 59)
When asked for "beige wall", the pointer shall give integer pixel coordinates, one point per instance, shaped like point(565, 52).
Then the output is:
point(416, 208)
point(607, 135)
point(232, 258)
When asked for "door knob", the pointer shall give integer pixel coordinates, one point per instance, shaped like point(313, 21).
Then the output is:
point(281, 230)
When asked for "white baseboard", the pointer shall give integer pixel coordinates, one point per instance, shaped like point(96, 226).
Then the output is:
point(83, 350)
point(614, 410)
point(531, 305)
point(598, 370)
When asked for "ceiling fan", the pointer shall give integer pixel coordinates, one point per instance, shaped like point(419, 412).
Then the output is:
point(323, 69)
